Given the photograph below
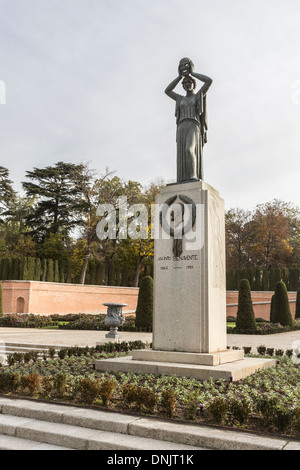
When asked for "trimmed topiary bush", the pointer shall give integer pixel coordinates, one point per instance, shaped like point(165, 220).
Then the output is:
point(144, 310)
point(282, 312)
point(245, 319)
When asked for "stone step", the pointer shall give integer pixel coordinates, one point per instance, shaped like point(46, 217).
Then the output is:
point(15, 443)
point(84, 428)
point(11, 348)
point(40, 347)
point(78, 437)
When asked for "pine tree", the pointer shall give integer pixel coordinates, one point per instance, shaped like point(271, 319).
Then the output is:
point(282, 311)
point(7, 194)
point(245, 320)
point(144, 310)
point(57, 205)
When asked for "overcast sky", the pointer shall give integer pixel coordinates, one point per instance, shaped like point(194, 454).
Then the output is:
point(85, 81)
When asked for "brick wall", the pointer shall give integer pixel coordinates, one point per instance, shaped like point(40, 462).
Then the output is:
point(49, 297)
point(261, 303)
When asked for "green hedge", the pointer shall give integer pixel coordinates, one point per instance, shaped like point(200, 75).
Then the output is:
point(263, 279)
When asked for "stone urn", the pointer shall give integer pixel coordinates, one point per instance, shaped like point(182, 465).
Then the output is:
point(114, 319)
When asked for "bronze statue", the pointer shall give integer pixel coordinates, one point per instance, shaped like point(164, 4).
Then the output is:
point(191, 121)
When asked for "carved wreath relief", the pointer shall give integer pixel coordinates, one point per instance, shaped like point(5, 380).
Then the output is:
point(178, 217)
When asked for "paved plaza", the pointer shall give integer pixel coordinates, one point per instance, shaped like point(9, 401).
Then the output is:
point(91, 338)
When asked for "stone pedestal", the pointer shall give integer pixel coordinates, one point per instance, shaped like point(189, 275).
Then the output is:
point(189, 324)
point(190, 289)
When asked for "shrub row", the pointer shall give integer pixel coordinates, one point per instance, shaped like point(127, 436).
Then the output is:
point(100, 391)
point(265, 328)
point(124, 346)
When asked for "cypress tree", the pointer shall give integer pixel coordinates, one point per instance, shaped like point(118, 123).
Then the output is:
point(250, 277)
point(272, 282)
point(237, 278)
point(62, 276)
point(282, 311)
point(62, 271)
point(144, 310)
point(125, 275)
point(245, 319)
point(37, 270)
point(285, 276)
point(291, 282)
point(93, 272)
point(44, 270)
point(244, 273)
point(56, 271)
point(69, 274)
point(111, 274)
point(16, 269)
point(1, 269)
point(50, 270)
point(265, 280)
point(230, 284)
point(297, 314)
point(6, 269)
point(1, 301)
point(272, 309)
point(297, 278)
point(100, 274)
point(30, 268)
point(24, 269)
point(277, 275)
point(257, 284)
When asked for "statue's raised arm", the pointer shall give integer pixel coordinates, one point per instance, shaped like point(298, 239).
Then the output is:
point(191, 118)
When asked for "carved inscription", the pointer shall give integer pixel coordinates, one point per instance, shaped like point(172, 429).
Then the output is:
point(175, 262)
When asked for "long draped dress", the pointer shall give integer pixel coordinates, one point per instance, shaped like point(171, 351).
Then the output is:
point(191, 122)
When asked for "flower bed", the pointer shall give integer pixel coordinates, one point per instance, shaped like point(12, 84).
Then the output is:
point(267, 401)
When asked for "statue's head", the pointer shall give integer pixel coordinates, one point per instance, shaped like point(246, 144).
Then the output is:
point(185, 67)
point(189, 83)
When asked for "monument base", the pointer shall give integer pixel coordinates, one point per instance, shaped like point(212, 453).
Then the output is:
point(229, 365)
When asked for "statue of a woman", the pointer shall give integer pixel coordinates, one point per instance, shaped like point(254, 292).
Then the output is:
point(191, 121)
